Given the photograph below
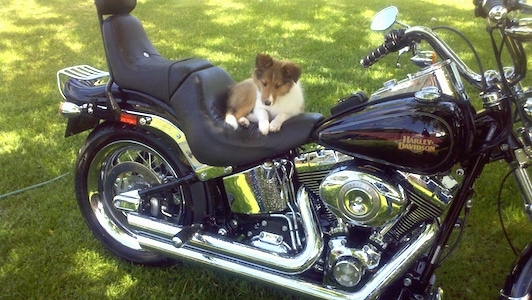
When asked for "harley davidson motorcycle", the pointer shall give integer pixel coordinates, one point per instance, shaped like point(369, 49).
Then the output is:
point(356, 205)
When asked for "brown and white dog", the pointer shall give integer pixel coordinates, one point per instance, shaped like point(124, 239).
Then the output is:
point(272, 92)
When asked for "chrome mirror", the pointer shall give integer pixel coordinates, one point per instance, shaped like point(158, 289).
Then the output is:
point(384, 19)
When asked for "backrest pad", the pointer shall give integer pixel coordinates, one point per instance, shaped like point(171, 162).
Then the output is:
point(112, 7)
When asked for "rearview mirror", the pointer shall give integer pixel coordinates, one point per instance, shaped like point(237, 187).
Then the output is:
point(384, 19)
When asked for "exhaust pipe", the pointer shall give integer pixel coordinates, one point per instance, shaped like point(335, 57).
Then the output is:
point(270, 268)
point(148, 228)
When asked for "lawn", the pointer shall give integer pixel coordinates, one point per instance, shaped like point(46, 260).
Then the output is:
point(47, 252)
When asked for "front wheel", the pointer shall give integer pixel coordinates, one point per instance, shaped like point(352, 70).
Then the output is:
point(519, 281)
point(117, 158)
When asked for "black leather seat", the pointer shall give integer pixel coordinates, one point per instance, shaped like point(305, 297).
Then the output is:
point(135, 64)
point(200, 104)
point(195, 89)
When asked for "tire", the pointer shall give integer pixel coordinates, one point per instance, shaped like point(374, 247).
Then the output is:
point(519, 282)
point(116, 158)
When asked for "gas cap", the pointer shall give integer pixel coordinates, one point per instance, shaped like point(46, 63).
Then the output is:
point(428, 94)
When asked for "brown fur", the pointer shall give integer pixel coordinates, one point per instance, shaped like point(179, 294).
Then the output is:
point(274, 77)
point(242, 98)
point(271, 77)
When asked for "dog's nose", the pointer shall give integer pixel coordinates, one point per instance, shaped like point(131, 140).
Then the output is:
point(267, 102)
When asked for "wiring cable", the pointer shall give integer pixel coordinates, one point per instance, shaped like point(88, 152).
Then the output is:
point(499, 211)
point(462, 225)
point(33, 186)
point(471, 47)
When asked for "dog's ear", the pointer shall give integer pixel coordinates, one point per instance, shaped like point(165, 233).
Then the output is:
point(263, 61)
point(291, 71)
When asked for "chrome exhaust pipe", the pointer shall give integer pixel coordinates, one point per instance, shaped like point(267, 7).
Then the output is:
point(148, 227)
point(261, 268)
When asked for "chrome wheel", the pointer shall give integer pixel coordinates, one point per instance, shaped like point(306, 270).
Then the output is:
point(120, 167)
point(116, 159)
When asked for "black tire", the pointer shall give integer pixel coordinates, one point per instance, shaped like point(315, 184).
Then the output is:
point(116, 158)
point(519, 282)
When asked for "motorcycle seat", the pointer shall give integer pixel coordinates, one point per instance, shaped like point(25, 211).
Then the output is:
point(196, 90)
point(135, 64)
point(200, 104)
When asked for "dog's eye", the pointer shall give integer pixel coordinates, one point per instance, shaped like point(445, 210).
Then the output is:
point(264, 83)
point(277, 86)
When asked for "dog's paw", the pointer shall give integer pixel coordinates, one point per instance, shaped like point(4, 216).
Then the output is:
point(231, 120)
point(264, 127)
point(244, 122)
point(275, 126)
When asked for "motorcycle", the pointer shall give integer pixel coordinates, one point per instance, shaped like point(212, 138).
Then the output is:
point(357, 205)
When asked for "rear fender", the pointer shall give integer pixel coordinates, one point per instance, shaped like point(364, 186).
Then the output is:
point(95, 107)
point(80, 123)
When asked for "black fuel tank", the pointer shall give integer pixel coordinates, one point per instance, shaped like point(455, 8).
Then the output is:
point(424, 137)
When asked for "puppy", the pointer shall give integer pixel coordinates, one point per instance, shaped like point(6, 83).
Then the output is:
point(273, 92)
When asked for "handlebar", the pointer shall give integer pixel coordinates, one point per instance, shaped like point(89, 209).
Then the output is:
point(445, 52)
point(488, 5)
point(496, 10)
point(398, 39)
point(393, 41)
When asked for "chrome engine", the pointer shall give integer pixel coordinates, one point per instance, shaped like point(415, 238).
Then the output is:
point(266, 191)
point(366, 208)
point(391, 205)
point(362, 198)
point(348, 232)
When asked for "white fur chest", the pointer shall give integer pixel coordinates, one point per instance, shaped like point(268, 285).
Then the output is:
point(291, 103)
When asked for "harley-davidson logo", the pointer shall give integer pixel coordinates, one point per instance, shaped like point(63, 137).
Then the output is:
point(417, 144)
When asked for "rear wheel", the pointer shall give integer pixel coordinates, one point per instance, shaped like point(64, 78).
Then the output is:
point(117, 158)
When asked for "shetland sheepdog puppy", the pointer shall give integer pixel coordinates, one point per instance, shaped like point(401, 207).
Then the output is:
point(272, 93)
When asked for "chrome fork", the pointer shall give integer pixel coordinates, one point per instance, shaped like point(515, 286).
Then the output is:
point(523, 179)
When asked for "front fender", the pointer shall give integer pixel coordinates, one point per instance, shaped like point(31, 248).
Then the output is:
point(519, 282)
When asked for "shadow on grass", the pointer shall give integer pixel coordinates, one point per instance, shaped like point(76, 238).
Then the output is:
point(46, 249)
point(34, 45)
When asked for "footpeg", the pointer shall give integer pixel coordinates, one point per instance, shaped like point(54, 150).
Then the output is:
point(185, 235)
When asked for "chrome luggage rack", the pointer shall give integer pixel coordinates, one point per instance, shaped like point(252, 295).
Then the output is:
point(85, 74)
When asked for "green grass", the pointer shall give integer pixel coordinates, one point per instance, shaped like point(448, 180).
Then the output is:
point(46, 251)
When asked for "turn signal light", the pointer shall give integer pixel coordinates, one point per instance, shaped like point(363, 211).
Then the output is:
point(69, 110)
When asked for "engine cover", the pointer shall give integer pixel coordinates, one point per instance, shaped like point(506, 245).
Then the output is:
point(362, 197)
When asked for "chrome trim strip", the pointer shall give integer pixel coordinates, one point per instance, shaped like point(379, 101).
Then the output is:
point(203, 171)
point(252, 268)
